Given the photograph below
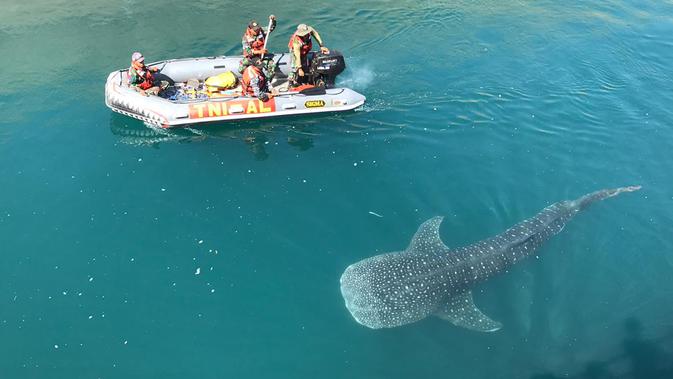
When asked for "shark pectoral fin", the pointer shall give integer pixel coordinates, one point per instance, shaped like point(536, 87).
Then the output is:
point(461, 311)
point(427, 240)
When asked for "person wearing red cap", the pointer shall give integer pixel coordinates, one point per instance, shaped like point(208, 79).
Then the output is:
point(300, 45)
point(253, 47)
point(140, 76)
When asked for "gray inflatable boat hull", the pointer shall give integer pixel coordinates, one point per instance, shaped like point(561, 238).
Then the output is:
point(165, 113)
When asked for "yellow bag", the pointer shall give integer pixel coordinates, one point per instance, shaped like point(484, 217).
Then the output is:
point(223, 81)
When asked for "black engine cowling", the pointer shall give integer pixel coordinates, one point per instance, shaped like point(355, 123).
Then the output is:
point(324, 68)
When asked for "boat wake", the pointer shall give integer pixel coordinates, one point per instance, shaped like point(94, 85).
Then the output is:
point(357, 77)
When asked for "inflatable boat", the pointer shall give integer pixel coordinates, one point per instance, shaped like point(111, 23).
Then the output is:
point(188, 99)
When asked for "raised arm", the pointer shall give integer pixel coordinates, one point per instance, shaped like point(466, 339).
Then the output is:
point(270, 29)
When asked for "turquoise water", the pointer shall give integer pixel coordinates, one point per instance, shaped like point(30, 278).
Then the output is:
point(483, 112)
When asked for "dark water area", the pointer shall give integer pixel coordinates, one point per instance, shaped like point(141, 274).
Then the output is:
point(216, 251)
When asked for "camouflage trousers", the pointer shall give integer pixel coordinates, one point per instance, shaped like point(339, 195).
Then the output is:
point(155, 90)
point(293, 76)
point(268, 67)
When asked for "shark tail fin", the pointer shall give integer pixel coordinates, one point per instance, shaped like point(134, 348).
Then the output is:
point(586, 200)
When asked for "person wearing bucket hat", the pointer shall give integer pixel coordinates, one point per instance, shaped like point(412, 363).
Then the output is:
point(300, 45)
point(253, 47)
point(140, 76)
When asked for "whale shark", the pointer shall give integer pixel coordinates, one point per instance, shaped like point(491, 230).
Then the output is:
point(429, 279)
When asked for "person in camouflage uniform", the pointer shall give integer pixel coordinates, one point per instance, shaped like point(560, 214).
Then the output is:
point(300, 45)
point(140, 76)
point(253, 48)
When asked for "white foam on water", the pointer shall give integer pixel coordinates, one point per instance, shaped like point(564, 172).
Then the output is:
point(357, 77)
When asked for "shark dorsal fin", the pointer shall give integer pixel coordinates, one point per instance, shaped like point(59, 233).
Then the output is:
point(427, 239)
point(461, 311)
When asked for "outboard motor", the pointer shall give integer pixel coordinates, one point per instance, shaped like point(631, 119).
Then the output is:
point(324, 68)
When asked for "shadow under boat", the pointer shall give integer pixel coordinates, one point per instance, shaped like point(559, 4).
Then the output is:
point(256, 134)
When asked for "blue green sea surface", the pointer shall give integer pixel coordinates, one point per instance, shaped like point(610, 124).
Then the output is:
point(216, 251)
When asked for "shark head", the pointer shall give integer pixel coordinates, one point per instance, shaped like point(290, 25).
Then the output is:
point(375, 296)
point(361, 300)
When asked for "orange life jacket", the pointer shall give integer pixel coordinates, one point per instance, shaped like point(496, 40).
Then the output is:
point(248, 74)
point(144, 73)
point(306, 46)
point(258, 44)
point(256, 41)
